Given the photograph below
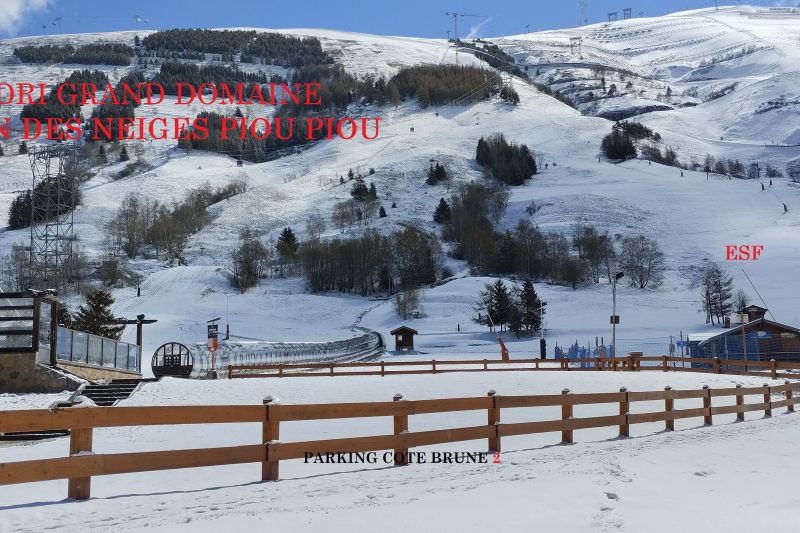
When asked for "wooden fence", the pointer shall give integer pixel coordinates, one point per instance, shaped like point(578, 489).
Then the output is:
point(631, 362)
point(82, 464)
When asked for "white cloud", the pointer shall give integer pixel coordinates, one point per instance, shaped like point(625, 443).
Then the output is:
point(474, 32)
point(12, 12)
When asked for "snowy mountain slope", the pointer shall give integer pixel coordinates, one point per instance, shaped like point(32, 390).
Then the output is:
point(692, 218)
point(695, 53)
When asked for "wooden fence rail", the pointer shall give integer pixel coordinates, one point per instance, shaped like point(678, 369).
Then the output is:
point(631, 362)
point(82, 463)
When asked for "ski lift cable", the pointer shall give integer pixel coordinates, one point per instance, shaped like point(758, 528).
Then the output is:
point(759, 294)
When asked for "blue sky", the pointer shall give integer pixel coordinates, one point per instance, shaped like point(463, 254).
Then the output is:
point(423, 18)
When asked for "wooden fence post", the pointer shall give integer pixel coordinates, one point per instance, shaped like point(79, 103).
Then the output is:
point(773, 368)
point(664, 362)
point(280, 371)
point(624, 407)
point(790, 407)
point(597, 364)
point(383, 368)
point(485, 364)
point(631, 365)
point(717, 369)
point(433, 363)
point(767, 401)
point(739, 404)
point(566, 414)
point(669, 405)
point(332, 370)
point(80, 440)
point(270, 431)
point(707, 420)
point(493, 420)
point(400, 428)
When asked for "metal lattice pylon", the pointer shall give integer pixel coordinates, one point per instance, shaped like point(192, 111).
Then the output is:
point(583, 5)
point(53, 194)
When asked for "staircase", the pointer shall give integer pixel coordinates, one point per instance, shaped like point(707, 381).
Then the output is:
point(103, 395)
point(106, 395)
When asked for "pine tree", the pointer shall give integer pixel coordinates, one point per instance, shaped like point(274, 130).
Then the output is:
point(123, 154)
point(64, 317)
point(515, 318)
point(507, 261)
point(360, 191)
point(431, 179)
point(287, 245)
point(19, 216)
point(382, 212)
point(442, 214)
point(495, 300)
point(394, 95)
point(503, 304)
point(350, 174)
point(424, 97)
point(531, 307)
point(441, 172)
point(101, 154)
point(23, 147)
point(373, 192)
point(1, 151)
point(95, 316)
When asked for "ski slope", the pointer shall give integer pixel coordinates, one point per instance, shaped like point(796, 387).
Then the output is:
point(692, 218)
point(729, 477)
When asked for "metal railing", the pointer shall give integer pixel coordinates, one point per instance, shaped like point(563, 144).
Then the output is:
point(28, 324)
point(79, 347)
point(19, 322)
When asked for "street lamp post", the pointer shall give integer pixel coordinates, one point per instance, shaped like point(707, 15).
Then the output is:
point(614, 317)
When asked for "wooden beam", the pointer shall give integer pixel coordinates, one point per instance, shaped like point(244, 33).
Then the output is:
point(707, 419)
point(624, 411)
point(98, 417)
point(400, 427)
point(566, 414)
point(80, 442)
point(270, 432)
point(493, 419)
point(669, 406)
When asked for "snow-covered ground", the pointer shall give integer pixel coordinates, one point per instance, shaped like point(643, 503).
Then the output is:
point(730, 477)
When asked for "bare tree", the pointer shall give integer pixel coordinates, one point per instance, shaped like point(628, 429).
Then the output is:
point(15, 269)
point(642, 260)
point(369, 209)
point(497, 203)
point(716, 290)
point(315, 225)
point(406, 303)
point(741, 300)
point(345, 214)
point(250, 259)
